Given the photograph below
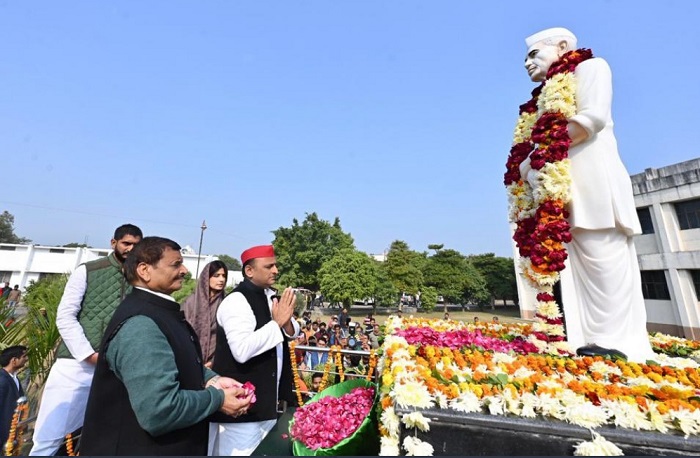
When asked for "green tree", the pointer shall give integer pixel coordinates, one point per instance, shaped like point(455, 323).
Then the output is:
point(385, 293)
point(349, 275)
point(499, 274)
point(7, 230)
point(76, 245)
point(454, 277)
point(428, 298)
point(188, 286)
point(302, 249)
point(231, 262)
point(404, 267)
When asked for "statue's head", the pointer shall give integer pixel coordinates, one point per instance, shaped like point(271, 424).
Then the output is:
point(546, 47)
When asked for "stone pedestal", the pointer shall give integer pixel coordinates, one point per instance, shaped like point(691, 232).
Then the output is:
point(455, 433)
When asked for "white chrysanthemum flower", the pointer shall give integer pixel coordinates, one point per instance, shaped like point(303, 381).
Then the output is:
point(390, 421)
point(587, 415)
point(389, 446)
point(685, 421)
point(523, 127)
point(529, 404)
point(393, 340)
point(659, 421)
point(416, 420)
point(540, 344)
point(523, 372)
point(626, 415)
point(640, 381)
point(549, 406)
point(599, 446)
point(401, 353)
point(416, 447)
point(411, 393)
point(555, 181)
point(570, 398)
point(550, 309)
point(558, 95)
point(602, 368)
point(441, 400)
point(504, 358)
point(495, 404)
point(466, 402)
point(512, 404)
point(482, 368)
point(562, 345)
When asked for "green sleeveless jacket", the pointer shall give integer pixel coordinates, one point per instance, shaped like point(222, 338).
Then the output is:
point(106, 287)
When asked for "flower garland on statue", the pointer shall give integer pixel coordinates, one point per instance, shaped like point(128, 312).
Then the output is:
point(539, 211)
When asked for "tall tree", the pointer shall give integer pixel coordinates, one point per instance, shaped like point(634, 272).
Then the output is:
point(347, 276)
point(231, 262)
point(499, 274)
point(7, 230)
point(454, 277)
point(385, 293)
point(403, 266)
point(302, 249)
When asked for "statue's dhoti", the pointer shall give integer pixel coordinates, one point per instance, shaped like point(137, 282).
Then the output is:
point(602, 293)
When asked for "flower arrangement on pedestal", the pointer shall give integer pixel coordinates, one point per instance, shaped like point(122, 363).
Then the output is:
point(451, 368)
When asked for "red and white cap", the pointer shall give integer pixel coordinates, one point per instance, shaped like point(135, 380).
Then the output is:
point(260, 251)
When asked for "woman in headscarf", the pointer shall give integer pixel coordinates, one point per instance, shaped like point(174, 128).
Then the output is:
point(201, 306)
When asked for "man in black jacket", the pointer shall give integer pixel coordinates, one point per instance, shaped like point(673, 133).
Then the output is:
point(12, 359)
point(251, 346)
point(151, 394)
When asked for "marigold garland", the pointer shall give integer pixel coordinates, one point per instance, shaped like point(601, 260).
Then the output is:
point(539, 212)
point(372, 364)
point(295, 371)
point(69, 445)
point(326, 373)
point(339, 361)
point(15, 434)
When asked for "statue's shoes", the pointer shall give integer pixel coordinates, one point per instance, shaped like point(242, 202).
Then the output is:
point(595, 350)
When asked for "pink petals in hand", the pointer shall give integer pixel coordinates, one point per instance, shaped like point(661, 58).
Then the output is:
point(249, 389)
point(324, 423)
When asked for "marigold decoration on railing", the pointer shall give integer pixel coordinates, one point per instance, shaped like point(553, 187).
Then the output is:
point(295, 372)
point(69, 445)
point(539, 211)
point(372, 364)
point(326, 373)
point(338, 361)
point(15, 434)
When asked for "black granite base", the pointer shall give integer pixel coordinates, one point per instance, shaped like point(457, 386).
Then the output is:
point(454, 433)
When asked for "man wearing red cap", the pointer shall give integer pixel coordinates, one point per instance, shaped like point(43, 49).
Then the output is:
point(251, 346)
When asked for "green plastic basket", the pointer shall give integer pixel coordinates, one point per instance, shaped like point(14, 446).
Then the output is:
point(363, 442)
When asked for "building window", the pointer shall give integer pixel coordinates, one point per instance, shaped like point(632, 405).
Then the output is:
point(5, 276)
point(695, 275)
point(654, 285)
point(45, 275)
point(688, 214)
point(644, 215)
point(7, 248)
point(56, 250)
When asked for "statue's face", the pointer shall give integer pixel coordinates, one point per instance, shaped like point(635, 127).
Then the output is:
point(540, 57)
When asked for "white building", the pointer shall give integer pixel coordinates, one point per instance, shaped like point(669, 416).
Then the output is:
point(668, 250)
point(668, 205)
point(21, 264)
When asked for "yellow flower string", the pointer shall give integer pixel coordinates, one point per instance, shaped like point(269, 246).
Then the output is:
point(339, 361)
point(372, 364)
point(295, 372)
point(69, 445)
point(326, 371)
point(15, 435)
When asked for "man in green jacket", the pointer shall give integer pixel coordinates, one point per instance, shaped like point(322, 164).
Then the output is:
point(91, 295)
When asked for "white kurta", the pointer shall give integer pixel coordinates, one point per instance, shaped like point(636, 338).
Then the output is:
point(601, 286)
point(238, 321)
point(63, 401)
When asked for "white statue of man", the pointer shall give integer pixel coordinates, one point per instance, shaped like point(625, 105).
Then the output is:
point(601, 287)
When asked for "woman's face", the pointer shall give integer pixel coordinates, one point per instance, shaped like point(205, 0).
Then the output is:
point(217, 282)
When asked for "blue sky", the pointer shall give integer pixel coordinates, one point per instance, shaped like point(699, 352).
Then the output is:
point(395, 116)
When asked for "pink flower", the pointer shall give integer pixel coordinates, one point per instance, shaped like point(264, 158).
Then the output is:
point(329, 420)
point(249, 389)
